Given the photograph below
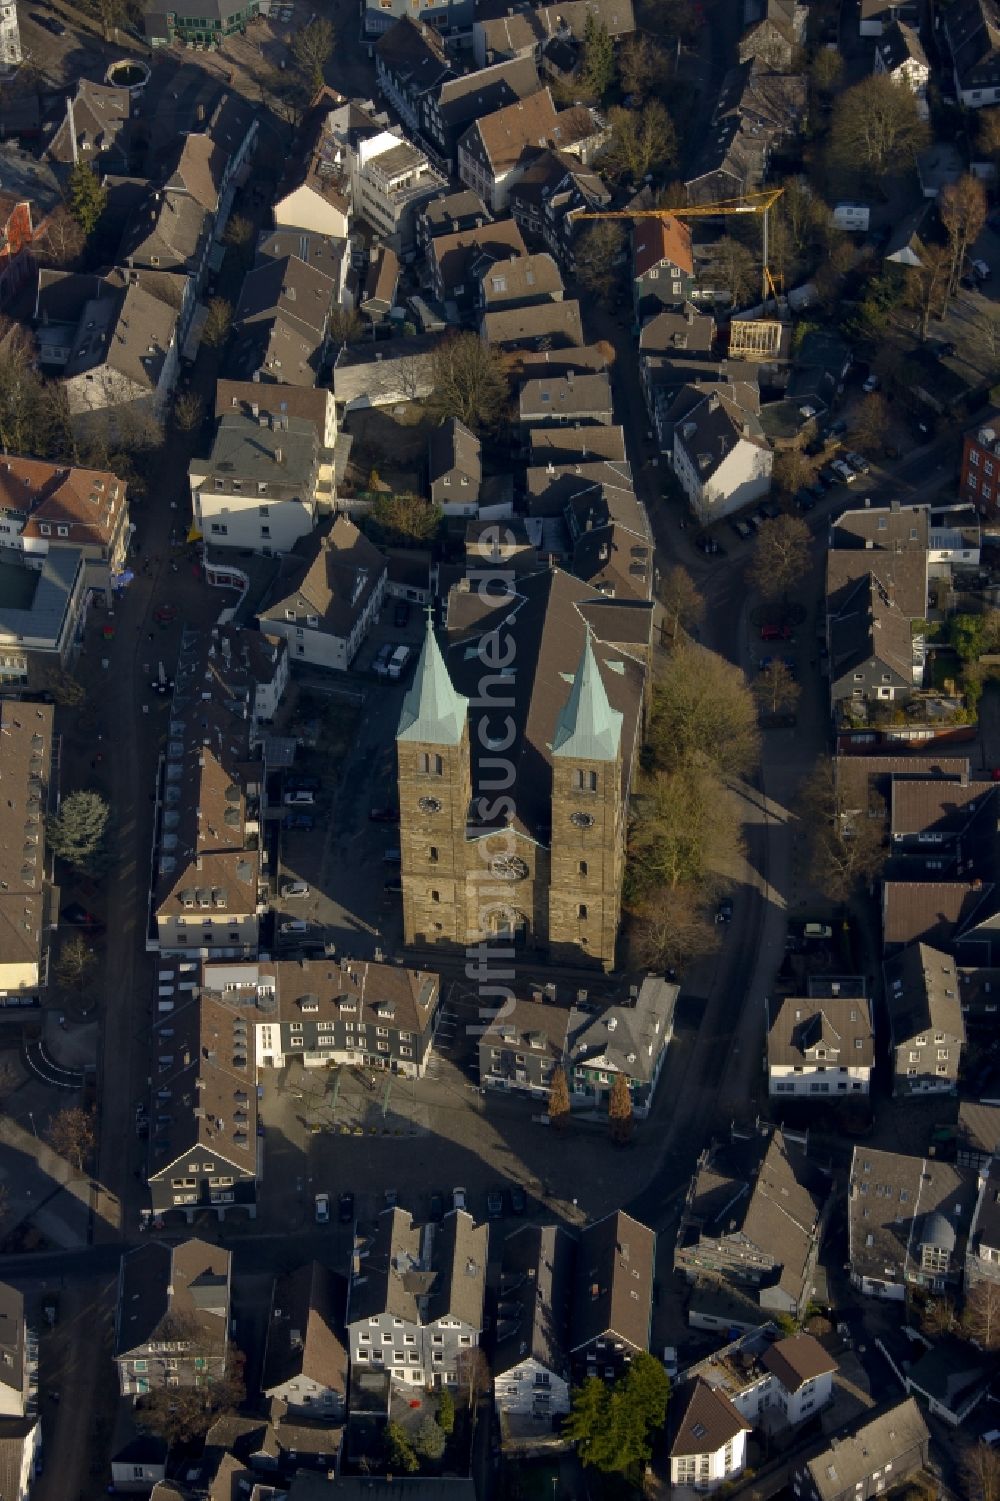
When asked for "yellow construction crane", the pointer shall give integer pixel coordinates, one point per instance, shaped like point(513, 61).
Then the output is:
point(754, 203)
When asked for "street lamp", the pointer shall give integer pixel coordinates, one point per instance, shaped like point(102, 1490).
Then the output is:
point(32, 1120)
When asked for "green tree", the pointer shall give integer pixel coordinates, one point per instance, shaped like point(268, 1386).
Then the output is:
point(218, 323)
point(469, 383)
point(588, 1423)
point(620, 1118)
point(311, 50)
point(446, 1411)
point(403, 520)
point(965, 634)
point(647, 1393)
point(597, 71)
point(78, 833)
point(876, 128)
point(559, 1105)
point(703, 715)
point(88, 197)
point(642, 142)
point(780, 556)
point(430, 1441)
point(400, 1456)
point(614, 1427)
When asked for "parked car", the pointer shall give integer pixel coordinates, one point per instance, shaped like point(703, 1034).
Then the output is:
point(858, 463)
point(384, 815)
point(345, 1208)
point(828, 476)
point(293, 928)
point(494, 1204)
point(392, 857)
point(304, 821)
point(300, 798)
point(724, 911)
point(706, 544)
point(843, 471)
point(871, 383)
point(742, 529)
point(295, 889)
point(518, 1199)
point(437, 1208)
point(391, 1198)
point(401, 615)
point(79, 917)
point(774, 632)
point(322, 1209)
point(817, 930)
point(458, 1198)
point(380, 666)
point(804, 500)
point(981, 269)
point(398, 661)
point(837, 428)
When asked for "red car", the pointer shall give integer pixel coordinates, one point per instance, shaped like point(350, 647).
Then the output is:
point(775, 633)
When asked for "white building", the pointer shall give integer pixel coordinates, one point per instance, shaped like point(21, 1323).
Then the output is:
point(720, 456)
point(776, 1381)
point(391, 179)
point(900, 56)
point(10, 37)
point(709, 1439)
point(325, 610)
point(820, 1045)
point(257, 490)
point(531, 1365)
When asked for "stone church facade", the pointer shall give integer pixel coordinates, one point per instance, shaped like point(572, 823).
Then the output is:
point(513, 809)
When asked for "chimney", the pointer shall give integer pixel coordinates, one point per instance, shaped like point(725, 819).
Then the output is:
point(278, 456)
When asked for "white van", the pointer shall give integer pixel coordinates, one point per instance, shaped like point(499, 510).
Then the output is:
point(398, 661)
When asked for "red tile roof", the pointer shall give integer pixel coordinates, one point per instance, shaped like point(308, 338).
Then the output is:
point(658, 240)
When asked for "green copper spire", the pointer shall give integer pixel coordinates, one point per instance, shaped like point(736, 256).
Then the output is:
point(588, 729)
point(433, 713)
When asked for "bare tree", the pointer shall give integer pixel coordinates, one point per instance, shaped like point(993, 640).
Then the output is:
point(962, 207)
point(346, 325)
point(981, 1472)
point(847, 847)
point(189, 409)
point(703, 715)
point(596, 254)
point(71, 1133)
point(682, 601)
point(671, 928)
point(981, 1314)
point(775, 688)
point(988, 134)
point(685, 831)
point(870, 423)
point(469, 382)
point(61, 241)
point(219, 321)
point(76, 964)
point(876, 128)
point(642, 66)
point(927, 285)
point(642, 141)
point(793, 469)
point(780, 557)
point(736, 268)
point(311, 49)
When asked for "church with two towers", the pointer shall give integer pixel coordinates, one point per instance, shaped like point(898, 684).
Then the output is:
point(516, 747)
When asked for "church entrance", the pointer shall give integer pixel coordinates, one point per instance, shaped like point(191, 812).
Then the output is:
point(507, 925)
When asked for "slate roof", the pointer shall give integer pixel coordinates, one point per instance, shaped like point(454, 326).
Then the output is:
point(527, 276)
point(485, 90)
point(395, 1279)
point(978, 1128)
point(866, 627)
point(895, 1202)
point(631, 1037)
point(557, 322)
point(613, 1285)
point(507, 132)
point(461, 254)
point(167, 230)
point(100, 117)
point(973, 31)
point(15, 1433)
point(573, 397)
point(300, 293)
point(580, 446)
point(678, 332)
point(900, 44)
point(27, 758)
point(712, 429)
point(140, 331)
point(535, 1299)
point(936, 807)
point(616, 15)
point(922, 994)
point(452, 447)
point(451, 213)
point(866, 1446)
point(414, 54)
point(164, 1287)
point(305, 1334)
point(12, 1335)
point(524, 1023)
point(839, 1024)
point(703, 1422)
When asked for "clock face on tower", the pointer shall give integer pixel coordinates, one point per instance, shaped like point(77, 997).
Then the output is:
point(582, 820)
point(429, 805)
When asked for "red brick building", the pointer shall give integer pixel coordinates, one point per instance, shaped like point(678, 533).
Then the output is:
point(979, 482)
point(16, 235)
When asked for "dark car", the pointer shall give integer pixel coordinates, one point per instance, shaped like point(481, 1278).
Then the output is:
point(401, 614)
point(829, 476)
point(817, 488)
point(724, 911)
point(494, 1204)
point(706, 544)
point(838, 427)
point(301, 784)
point(437, 1208)
point(804, 500)
point(518, 1199)
point(345, 1208)
point(300, 821)
point(79, 917)
point(384, 815)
